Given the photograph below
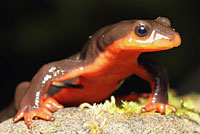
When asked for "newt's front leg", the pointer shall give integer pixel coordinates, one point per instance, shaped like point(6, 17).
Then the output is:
point(157, 76)
point(33, 102)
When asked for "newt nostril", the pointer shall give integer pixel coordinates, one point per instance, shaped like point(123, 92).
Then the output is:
point(164, 21)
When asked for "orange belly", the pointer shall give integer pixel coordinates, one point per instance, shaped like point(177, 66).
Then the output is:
point(91, 93)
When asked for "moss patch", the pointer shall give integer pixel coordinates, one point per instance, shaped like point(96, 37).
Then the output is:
point(185, 107)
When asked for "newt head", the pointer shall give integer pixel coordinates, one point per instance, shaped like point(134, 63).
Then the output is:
point(150, 35)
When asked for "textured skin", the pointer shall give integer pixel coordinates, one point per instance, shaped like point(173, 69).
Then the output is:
point(110, 56)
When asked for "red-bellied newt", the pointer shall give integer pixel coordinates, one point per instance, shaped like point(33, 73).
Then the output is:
point(92, 75)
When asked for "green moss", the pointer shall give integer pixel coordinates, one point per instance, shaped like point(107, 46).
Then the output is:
point(129, 107)
point(189, 105)
point(184, 107)
point(111, 107)
point(173, 99)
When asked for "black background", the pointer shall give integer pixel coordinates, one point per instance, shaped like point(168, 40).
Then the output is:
point(35, 32)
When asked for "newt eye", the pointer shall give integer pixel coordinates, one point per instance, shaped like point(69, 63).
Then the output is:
point(142, 30)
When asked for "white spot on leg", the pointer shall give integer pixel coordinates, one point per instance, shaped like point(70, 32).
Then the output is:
point(52, 69)
point(37, 99)
point(46, 78)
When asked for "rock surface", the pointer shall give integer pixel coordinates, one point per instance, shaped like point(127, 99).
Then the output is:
point(73, 121)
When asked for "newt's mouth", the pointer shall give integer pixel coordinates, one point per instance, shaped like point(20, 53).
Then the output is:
point(157, 42)
point(164, 42)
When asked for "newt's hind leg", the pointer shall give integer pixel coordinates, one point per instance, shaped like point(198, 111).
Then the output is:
point(20, 92)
